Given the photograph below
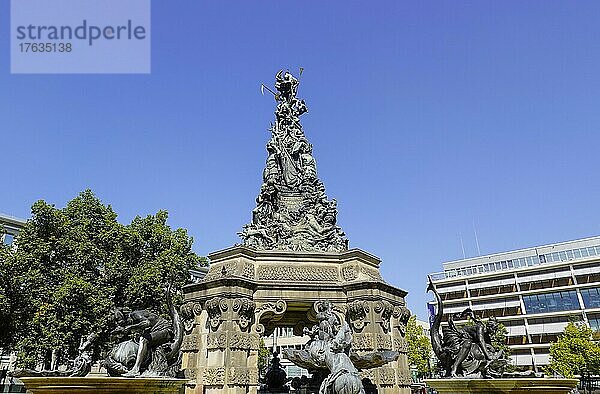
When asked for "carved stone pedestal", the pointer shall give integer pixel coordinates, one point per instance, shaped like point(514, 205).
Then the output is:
point(101, 385)
point(247, 294)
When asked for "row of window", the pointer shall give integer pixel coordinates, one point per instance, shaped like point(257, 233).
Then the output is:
point(551, 302)
point(591, 297)
point(561, 301)
point(528, 261)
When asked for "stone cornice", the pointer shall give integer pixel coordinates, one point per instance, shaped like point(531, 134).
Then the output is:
point(281, 256)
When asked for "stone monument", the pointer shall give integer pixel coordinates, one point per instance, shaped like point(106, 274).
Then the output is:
point(471, 365)
point(293, 255)
point(145, 357)
point(466, 351)
point(292, 210)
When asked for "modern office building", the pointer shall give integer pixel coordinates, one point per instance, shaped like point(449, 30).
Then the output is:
point(198, 274)
point(9, 228)
point(534, 292)
point(284, 338)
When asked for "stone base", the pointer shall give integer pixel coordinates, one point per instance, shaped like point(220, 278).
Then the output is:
point(502, 386)
point(102, 385)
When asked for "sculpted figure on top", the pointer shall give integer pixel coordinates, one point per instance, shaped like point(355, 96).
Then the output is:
point(292, 210)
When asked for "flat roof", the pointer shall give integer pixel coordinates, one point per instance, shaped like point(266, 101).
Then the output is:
point(534, 250)
point(9, 219)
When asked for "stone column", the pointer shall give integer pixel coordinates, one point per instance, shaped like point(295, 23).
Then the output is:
point(373, 330)
point(400, 318)
point(224, 364)
point(191, 312)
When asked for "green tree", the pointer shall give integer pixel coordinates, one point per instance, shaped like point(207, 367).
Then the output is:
point(156, 256)
point(73, 265)
point(499, 340)
point(263, 358)
point(7, 300)
point(419, 347)
point(575, 353)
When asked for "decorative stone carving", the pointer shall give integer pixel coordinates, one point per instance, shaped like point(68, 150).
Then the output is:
point(248, 270)
point(384, 342)
point(350, 273)
point(401, 314)
point(404, 378)
point(362, 341)
point(189, 312)
point(387, 376)
point(215, 307)
point(292, 210)
point(244, 308)
point(214, 376)
point(357, 314)
point(384, 309)
point(240, 376)
point(216, 340)
point(400, 345)
point(223, 270)
point(368, 374)
point(190, 373)
point(190, 343)
point(297, 273)
point(372, 273)
point(191, 309)
point(276, 308)
point(244, 341)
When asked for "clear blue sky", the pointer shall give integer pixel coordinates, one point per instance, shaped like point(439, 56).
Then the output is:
point(426, 118)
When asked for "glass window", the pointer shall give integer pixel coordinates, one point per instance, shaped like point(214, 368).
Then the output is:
point(584, 252)
point(594, 322)
point(569, 254)
point(591, 297)
point(8, 239)
point(591, 251)
point(555, 256)
point(563, 256)
point(577, 253)
point(551, 302)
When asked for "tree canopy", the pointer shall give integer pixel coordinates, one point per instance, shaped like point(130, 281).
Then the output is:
point(419, 347)
point(575, 352)
point(73, 265)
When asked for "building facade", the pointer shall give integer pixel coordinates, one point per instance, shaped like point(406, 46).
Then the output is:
point(284, 338)
point(534, 292)
point(9, 228)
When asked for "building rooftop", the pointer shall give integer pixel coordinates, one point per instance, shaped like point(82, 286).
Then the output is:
point(550, 253)
point(12, 219)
